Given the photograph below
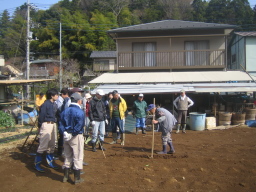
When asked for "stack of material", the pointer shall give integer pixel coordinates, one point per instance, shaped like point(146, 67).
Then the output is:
point(238, 118)
point(250, 114)
point(210, 123)
point(225, 118)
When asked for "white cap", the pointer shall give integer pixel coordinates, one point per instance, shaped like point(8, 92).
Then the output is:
point(141, 95)
point(87, 96)
point(100, 92)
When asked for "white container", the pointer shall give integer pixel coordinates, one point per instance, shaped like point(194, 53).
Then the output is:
point(210, 122)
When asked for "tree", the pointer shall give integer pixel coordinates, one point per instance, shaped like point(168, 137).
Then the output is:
point(199, 10)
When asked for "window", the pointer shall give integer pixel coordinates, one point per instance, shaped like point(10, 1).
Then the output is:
point(144, 54)
point(194, 57)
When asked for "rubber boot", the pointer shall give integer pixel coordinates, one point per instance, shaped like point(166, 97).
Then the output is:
point(77, 177)
point(171, 148)
point(49, 159)
point(184, 128)
point(66, 175)
point(143, 130)
point(101, 146)
point(114, 138)
point(37, 163)
point(94, 147)
point(122, 138)
point(164, 150)
point(137, 130)
point(178, 128)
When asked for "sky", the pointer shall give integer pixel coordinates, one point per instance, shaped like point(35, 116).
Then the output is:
point(10, 5)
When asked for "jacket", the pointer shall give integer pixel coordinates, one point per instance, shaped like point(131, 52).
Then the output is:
point(122, 108)
point(72, 120)
point(97, 111)
point(139, 109)
point(47, 112)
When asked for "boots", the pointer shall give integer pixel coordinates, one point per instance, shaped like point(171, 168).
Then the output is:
point(49, 159)
point(137, 130)
point(122, 138)
point(178, 128)
point(94, 147)
point(143, 130)
point(37, 163)
point(184, 128)
point(101, 146)
point(66, 175)
point(164, 150)
point(77, 177)
point(114, 138)
point(171, 148)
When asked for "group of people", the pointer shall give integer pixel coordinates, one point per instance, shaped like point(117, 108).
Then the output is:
point(73, 114)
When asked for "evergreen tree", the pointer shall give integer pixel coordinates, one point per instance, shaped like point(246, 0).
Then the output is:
point(199, 10)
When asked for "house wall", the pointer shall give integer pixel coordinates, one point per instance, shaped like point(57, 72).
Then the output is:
point(171, 44)
point(250, 47)
point(237, 52)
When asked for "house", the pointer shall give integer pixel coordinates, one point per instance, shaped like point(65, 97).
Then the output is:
point(243, 49)
point(103, 61)
point(161, 58)
point(45, 68)
point(172, 45)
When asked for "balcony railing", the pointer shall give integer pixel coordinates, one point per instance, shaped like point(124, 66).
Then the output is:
point(171, 59)
point(39, 73)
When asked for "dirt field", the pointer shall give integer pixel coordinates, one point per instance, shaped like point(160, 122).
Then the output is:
point(217, 160)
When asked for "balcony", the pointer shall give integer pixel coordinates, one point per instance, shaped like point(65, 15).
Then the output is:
point(185, 59)
point(101, 67)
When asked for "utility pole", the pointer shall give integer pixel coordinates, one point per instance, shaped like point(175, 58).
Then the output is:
point(28, 46)
point(60, 57)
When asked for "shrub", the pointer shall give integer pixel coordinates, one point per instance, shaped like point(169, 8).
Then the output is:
point(6, 120)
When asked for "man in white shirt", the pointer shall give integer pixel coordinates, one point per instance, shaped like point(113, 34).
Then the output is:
point(182, 103)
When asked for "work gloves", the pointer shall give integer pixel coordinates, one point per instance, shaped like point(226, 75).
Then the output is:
point(93, 123)
point(106, 121)
point(67, 136)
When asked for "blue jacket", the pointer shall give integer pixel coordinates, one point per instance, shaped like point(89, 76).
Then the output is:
point(72, 120)
point(47, 112)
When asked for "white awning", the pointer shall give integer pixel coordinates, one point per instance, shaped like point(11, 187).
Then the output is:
point(174, 88)
point(173, 77)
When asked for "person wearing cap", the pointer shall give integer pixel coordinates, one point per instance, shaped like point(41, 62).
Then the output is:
point(139, 111)
point(72, 128)
point(77, 90)
point(117, 109)
point(98, 118)
point(166, 122)
point(182, 103)
point(86, 108)
point(47, 126)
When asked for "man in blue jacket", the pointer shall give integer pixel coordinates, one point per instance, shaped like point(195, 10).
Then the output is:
point(72, 127)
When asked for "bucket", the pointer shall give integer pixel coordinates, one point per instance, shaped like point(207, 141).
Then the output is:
point(197, 121)
point(238, 118)
point(225, 118)
point(250, 114)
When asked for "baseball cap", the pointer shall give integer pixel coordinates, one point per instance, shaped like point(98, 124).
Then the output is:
point(141, 95)
point(87, 96)
point(100, 92)
point(76, 89)
point(76, 96)
point(151, 106)
point(182, 91)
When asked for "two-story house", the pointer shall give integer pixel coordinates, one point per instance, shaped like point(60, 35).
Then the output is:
point(163, 57)
point(103, 61)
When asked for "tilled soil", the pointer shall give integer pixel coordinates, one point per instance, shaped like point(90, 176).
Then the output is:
point(217, 160)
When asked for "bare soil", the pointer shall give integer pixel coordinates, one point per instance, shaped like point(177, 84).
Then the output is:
point(217, 160)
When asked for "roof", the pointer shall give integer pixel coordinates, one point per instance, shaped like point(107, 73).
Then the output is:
point(172, 24)
point(103, 54)
point(44, 61)
point(22, 81)
point(172, 77)
point(175, 88)
point(247, 34)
